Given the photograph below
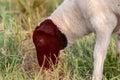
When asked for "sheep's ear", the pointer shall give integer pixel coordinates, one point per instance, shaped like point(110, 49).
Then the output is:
point(48, 27)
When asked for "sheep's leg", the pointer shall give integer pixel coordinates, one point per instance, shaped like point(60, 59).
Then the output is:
point(104, 26)
point(100, 51)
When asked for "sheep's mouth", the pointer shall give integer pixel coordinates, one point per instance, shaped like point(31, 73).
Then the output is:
point(47, 59)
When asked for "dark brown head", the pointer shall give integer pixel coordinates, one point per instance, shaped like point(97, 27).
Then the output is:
point(48, 41)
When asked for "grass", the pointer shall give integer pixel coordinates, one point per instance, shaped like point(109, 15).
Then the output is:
point(17, 21)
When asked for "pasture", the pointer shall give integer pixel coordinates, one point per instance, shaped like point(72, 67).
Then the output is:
point(17, 21)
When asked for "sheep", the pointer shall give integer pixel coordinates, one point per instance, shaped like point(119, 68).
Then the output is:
point(72, 20)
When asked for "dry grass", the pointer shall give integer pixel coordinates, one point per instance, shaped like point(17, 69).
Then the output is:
point(17, 53)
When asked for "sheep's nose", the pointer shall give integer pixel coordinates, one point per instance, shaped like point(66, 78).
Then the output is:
point(47, 59)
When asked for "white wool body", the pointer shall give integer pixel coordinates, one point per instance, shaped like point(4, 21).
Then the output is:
point(77, 18)
point(70, 20)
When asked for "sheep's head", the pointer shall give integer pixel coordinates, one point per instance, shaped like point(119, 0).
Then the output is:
point(48, 41)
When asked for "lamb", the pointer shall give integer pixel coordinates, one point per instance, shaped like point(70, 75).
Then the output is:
point(72, 20)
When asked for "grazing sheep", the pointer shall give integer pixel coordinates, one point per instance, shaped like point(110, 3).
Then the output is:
point(72, 20)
